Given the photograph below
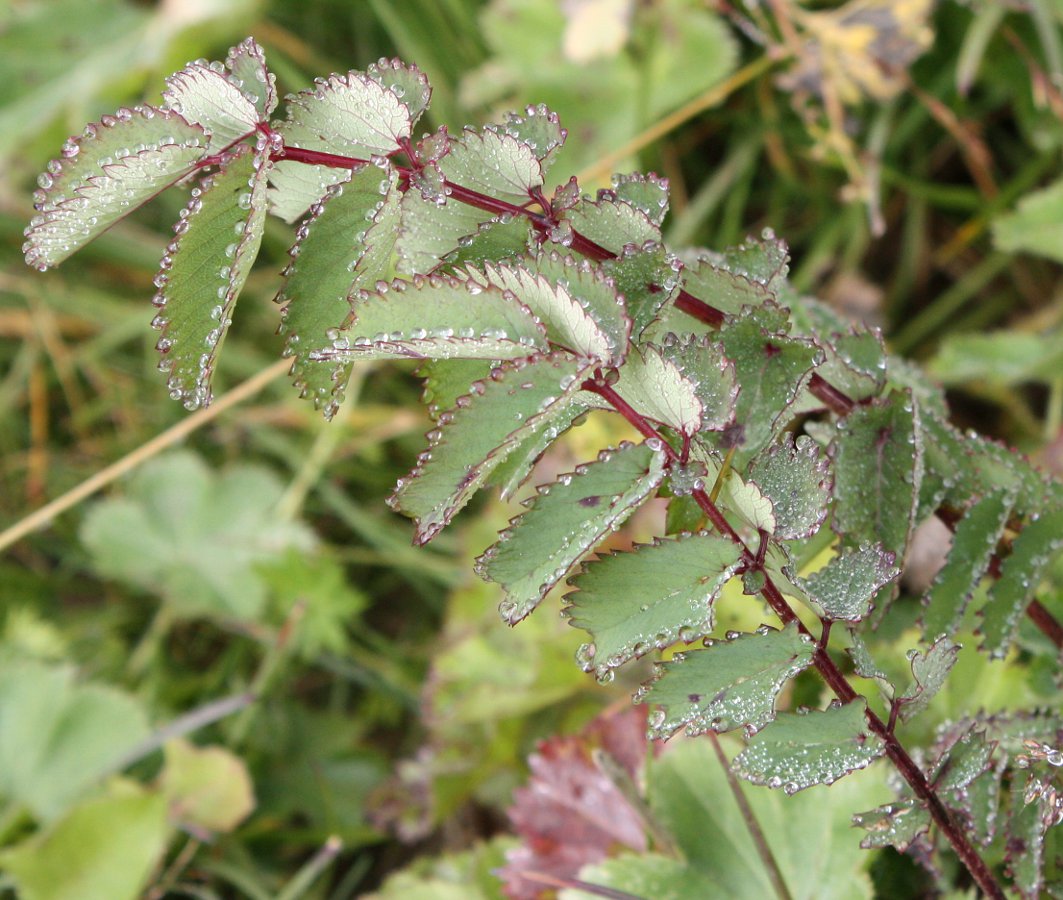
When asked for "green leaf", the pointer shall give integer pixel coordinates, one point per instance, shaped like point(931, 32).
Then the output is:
point(344, 246)
point(656, 387)
point(1020, 577)
point(855, 360)
point(1027, 826)
point(474, 437)
point(194, 537)
point(104, 174)
point(646, 875)
point(878, 465)
point(206, 96)
point(929, 671)
point(967, 759)
point(565, 520)
point(660, 593)
point(973, 545)
point(207, 788)
point(798, 750)
point(58, 738)
point(796, 477)
point(646, 192)
point(731, 684)
point(893, 825)
point(499, 238)
point(700, 360)
point(609, 222)
point(436, 317)
point(648, 278)
point(1036, 226)
point(722, 289)
point(105, 849)
point(574, 300)
point(844, 588)
point(765, 262)
point(247, 67)
point(539, 128)
point(445, 380)
point(406, 82)
point(203, 271)
point(771, 367)
point(1000, 358)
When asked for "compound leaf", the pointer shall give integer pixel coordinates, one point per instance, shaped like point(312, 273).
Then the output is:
point(795, 476)
point(648, 193)
point(929, 671)
point(204, 270)
point(479, 432)
point(893, 825)
point(731, 684)
point(724, 290)
point(406, 82)
point(204, 94)
point(609, 222)
point(539, 128)
point(437, 317)
point(247, 67)
point(844, 588)
point(104, 174)
point(631, 603)
point(648, 278)
point(798, 750)
point(344, 246)
point(656, 387)
point(973, 545)
point(565, 520)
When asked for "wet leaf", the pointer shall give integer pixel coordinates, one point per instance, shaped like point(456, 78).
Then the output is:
point(247, 70)
point(436, 317)
point(345, 246)
point(203, 271)
point(893, 825)
point(206, 787)
point(632, 603)
point(721, 289)
point(406, 82)
point(609, 222)
point(565, 520)
point(702, 363)
point(656, 388)
point(973, 545)
point(798, 750)
point(479, 432)
point(539, 128)
point(648, 279)
point(929, 671)
point(207, 96)
point(103, 176)
point(731, 684)
point(967, 759)
point(646, 192)
point(795, 476)
point(1025, 857)
point(764, 262)
point(844, 588)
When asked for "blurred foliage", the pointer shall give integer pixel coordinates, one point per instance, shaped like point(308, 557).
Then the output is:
point(232, 676)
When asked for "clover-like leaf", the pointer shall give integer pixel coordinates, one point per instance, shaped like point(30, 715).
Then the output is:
point(893, 825)
point(731, 684)
point(104, 174)
point(973, 545)
point(204, 93)
point(929, 671)
point(565, 520)
point(658, 594)
point(656, 387)
point(344, 246)
point(795, 476)
point(478, 433)
point(844, 588)
point(798, 750)
point(436, 317)
point(203, 271)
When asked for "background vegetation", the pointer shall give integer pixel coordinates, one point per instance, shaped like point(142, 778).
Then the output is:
point(907, 151)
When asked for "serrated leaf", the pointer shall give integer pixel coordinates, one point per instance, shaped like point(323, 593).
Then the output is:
point(479, 433)
point(437, 317)
point(855, 360)
point(646, 192)
point(701, 361)
point(798, 750)
point(844, 588)
point(247, 67)
point(204, 270)
point(893, 825)
point(656, 387)
point(609, 222)
point(863, 662)
point(771, 367)
point(1020, 576)
point(973, 544)
point(296, 186)
point(795, 476)
point(58, 738)
point(648, 277)
point(565, 520)
point(445, 380)
point(964, 761)
point(104, 174)
point(1026, 829)
point(345, 246)
point(658, 594)
point(495, 240)
point(747, 501)
point(764, 261)
point(1036, 225)
point(406, 82)
point(731, 684)
point(576, 303)
point(206, 96)
point(540, 129)
point(722, 289)
point(353, 114)
point(929, 672)
point(878, 467)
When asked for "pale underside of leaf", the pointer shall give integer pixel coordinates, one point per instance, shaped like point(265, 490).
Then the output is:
point(540, 129)
point(408, 83)
point(481, 430)
point(296, 186)
point(106, 173)
point(701, 362)
point(204, 270)
point(929, 671)
point(798, 750)
point(436, 317)
point(208, 98)
point(844, 588)
point(655, 387)
point(247, 66)
point(344, 247)
point(632, 603)
point(565, 520)
point(795, 475)
point(493, 163)
point(731, 684)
